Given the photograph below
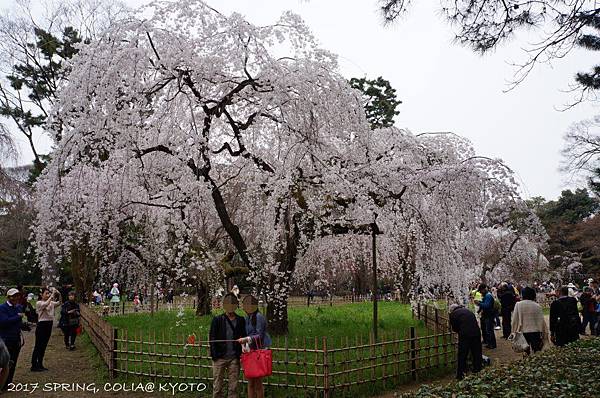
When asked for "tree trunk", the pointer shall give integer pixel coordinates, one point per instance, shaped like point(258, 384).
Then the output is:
point(152, 295)
point(83, 269)
point(203, 306)
point(277, 315)
point(408, 269)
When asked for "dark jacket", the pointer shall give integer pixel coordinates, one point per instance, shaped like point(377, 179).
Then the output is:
point(464, 323)
point(565, 323)
point(507, 300)
point(218, 331)
point(257, 329)
point(66, 317)
point(10, 322)
point(588, 303)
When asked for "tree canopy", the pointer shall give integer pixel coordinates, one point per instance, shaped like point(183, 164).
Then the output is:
point(185, 136)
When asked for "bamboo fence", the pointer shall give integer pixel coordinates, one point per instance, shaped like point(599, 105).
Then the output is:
point(310, 367)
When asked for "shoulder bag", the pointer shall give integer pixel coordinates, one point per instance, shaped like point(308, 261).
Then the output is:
point(257, 363)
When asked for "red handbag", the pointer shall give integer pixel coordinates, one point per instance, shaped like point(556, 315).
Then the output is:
point(78, 330)
point(257, 363)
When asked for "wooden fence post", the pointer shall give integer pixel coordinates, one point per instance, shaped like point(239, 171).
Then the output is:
point(437, 321)
point(123, 307)
point(426, 317)
point(419, 311)
point(413, 353)
point(325, 370)
point(113, 353)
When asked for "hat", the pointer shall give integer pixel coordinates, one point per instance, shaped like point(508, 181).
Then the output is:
point(571, 285)
point(12, 292)
point(115, 284)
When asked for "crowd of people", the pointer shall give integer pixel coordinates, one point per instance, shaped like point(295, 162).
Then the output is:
point(572, 311)
point(17, 315)
point(111, 298)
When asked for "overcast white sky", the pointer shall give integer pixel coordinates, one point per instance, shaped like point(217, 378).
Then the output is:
point(443, 86)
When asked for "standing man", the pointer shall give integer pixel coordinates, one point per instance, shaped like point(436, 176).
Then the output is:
point(507, 305)
point(487, 316)
point(565, 323)
point(464, 323)
point(225, 351)
point(588, 310)
point(11, 315)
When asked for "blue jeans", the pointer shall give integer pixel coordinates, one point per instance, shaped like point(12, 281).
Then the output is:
point(591, 319)
point(488, 332)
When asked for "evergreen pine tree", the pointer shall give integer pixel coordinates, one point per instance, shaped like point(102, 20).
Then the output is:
point(36, 78)
point(591, 80)
point(380, 100)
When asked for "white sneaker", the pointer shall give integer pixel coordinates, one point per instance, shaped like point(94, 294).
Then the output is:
point(497, 328)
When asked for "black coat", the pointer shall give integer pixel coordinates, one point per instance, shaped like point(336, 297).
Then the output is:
point(65, 316)
point(218, 331)
point(588, 303)
point(507, 300)
point(565, 323)
point(464, 323)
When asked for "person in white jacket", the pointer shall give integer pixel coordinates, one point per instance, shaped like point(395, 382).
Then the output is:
point(528, 318)
point(45, 308)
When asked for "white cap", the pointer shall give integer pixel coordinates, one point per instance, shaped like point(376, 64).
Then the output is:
point(12, 292)
point(571, 285)
point(115, 284)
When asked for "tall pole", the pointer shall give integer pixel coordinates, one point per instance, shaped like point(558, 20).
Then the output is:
point(374, 254)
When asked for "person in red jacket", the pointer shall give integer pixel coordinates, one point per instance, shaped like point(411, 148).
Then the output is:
point(588, 311)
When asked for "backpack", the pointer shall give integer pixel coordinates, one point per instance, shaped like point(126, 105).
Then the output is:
point(497, 305)
point(572, 320)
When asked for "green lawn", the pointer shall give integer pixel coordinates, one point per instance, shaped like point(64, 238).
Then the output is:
point(336, 322)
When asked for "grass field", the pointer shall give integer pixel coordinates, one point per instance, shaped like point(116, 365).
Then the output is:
point(335, 322)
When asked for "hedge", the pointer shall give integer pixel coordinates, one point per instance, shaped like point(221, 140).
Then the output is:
point(570, 371)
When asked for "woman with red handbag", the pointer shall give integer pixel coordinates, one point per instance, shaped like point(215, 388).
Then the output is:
point(256, 360)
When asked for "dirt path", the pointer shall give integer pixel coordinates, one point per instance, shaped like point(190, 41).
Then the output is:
point(68, 370)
